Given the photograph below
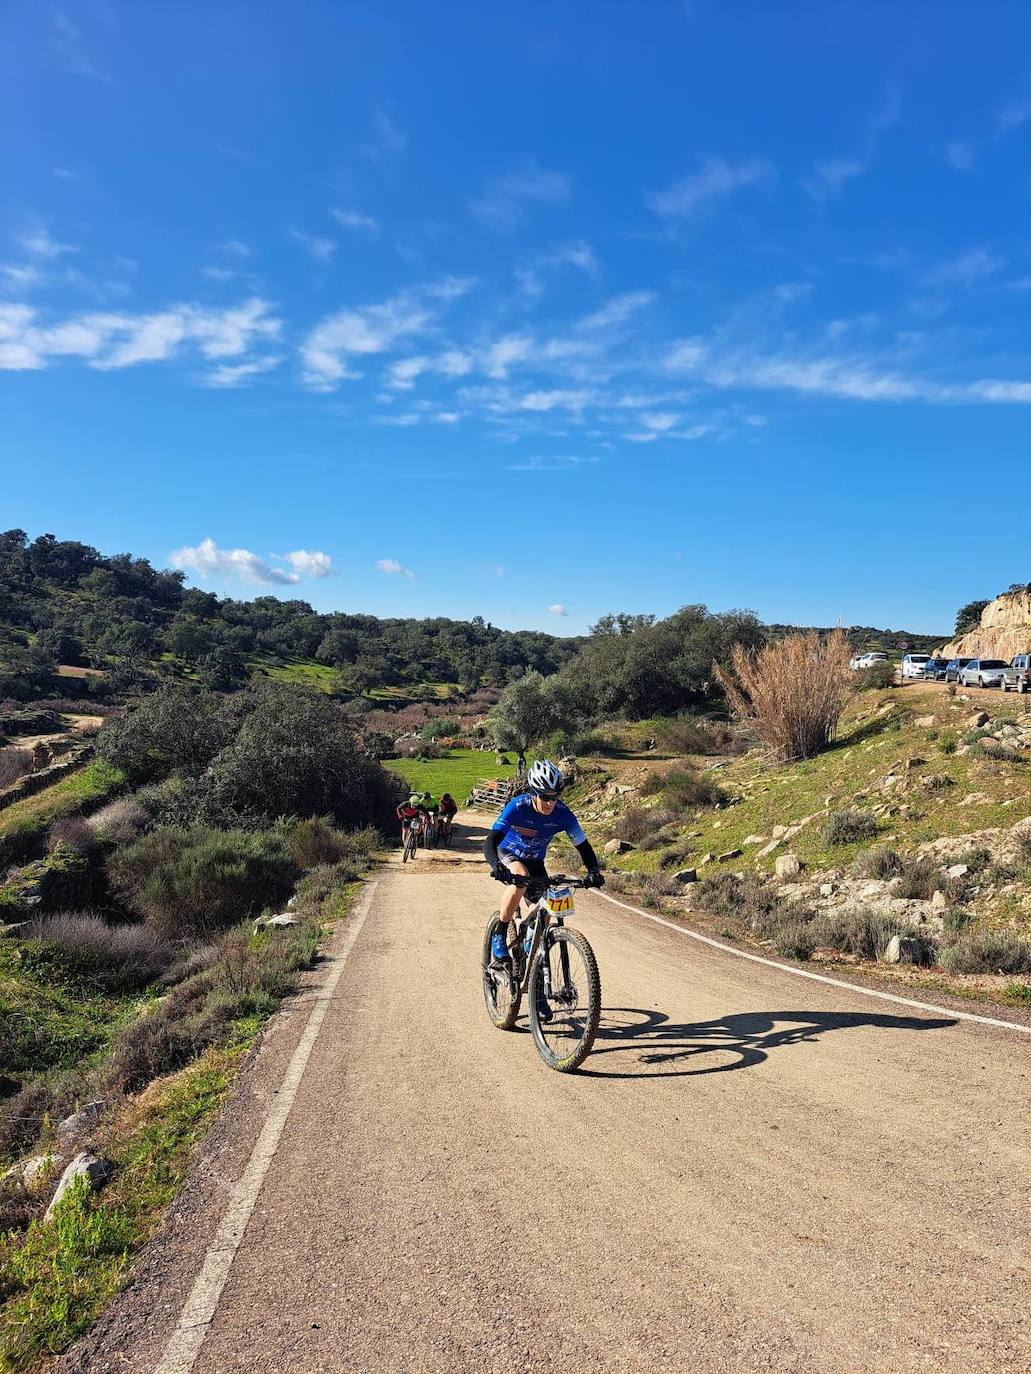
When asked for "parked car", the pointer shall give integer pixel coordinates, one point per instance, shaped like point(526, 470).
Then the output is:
point(983, 672)
point(1018, 674)
point(867, 660)
point(913, 664)
point(935, 669)
point(955, 667)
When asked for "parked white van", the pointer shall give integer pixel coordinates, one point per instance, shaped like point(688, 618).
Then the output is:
point(913, 664)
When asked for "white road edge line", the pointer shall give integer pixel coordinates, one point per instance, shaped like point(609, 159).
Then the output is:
point(186, 1340)
point(817, 977)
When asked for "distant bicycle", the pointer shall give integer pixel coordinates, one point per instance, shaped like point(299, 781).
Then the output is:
point(444, 830)
point(555, 966)
point(414, 839)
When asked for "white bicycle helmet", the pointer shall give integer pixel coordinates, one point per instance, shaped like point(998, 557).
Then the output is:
point(544, 777)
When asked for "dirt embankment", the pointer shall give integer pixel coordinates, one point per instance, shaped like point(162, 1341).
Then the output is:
point(1004, 631)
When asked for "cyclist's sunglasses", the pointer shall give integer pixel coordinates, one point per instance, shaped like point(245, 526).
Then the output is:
point(548, 796)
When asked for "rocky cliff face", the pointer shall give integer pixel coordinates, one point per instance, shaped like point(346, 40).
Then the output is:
point(1005, 630)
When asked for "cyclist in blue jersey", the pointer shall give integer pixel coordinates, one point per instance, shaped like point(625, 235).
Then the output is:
point(519, 839)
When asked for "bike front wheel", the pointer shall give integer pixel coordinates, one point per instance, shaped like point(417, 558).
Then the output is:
point(564, 979)
point(501, 992)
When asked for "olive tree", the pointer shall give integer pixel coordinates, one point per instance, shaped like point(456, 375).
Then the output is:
point(529, 710)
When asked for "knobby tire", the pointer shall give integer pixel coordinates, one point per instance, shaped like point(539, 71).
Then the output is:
point(504, 1010)
point(588, 1002)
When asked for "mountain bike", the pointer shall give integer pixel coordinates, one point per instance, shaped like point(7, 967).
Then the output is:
point(430, 832)
point(444, 831)
point(554, 966)
point(412, 843)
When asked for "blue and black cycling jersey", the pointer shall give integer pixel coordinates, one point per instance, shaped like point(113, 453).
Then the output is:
point(521, 831)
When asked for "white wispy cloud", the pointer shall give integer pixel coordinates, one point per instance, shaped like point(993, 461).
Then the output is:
point(504, 201)
point(830, 175)
point(65, 173)
point(559, 462)
point(506, 352)
point(40, 243)
point(352, 219)
point(966, 269)
point(229, 375)
point(388, 139)
point(1011, 116)
point(961, 154)
point(207, 560)
point(232, 248)
point(854, 378)
point(20, 276)
point(109, 340)
point(451, 363)
point(315, 245)
point(579, 254)
point(713, 182)
point(75, 50)
point(557, 609)
point(310, 564)
point(617, 310)
point(392, 566)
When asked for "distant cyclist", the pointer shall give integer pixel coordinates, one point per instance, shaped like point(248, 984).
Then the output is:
point(518, 842)
point(406, 813)
point(430, 807)
point(448, 812)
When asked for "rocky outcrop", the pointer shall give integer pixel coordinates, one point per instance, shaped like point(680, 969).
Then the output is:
point(1005, 630)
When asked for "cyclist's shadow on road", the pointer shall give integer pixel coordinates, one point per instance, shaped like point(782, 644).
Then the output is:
point(633, 1042)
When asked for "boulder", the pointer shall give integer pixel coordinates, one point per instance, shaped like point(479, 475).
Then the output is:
point(705, 859)
point(958, 870)
point(617, 847)
point(975, 721)
point(902, 949)
point(753, 839)
point(86, 1166)
point(36, 1171)
point(78, 1126)
point(778, 832)
point(939, 901)
point(768, 849)
point(730, 854)
point(787, 866)
point(285, 918)
point(926, 721)
point(826, 889)
point(686, 875)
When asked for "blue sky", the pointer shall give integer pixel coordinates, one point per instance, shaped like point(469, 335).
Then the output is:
point(534, 311)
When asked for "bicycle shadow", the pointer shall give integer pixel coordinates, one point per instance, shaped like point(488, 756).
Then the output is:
point(740, 1040)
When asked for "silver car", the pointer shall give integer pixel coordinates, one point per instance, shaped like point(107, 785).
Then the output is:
point(983, 672)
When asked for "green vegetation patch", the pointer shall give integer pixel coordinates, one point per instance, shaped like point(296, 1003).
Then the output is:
point(58, 1276)
point(24, 822)
point(457, 773)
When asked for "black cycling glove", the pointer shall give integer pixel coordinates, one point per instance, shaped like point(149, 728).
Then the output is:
point(594, 878)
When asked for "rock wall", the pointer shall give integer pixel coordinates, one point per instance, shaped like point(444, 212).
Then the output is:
point(1005, 630)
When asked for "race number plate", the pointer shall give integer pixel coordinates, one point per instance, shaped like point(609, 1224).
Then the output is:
point(560, 900)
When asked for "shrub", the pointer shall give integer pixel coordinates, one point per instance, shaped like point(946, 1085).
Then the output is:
point(314, 841)
point(84, 952)
point(190, 882)
point(999, 749)
point(862, 932)
point(879, 861)
point(173, 730)
point(920, 879)
point(977, 857)
point(640, 821)
point(955, 921)
point(987, 951)
point(120, 822)
point(691, 735)
point(937, 782)
point(747, 898)
point(947, 744)
point(791, 692)
point(295, 754)
point(440, 727)
point(849, 824)
point(73, 832)
point(14, 764)
point(418, 749)
point(23, 1116)
point(675, 857)
point(875, 678)
point(684, 789)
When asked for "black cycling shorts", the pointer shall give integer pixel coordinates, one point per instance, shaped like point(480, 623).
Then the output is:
point(535, 867)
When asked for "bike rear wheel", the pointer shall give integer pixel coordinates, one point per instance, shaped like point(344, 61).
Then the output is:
point(500, 992)
point(565, 975)
point(409, 850)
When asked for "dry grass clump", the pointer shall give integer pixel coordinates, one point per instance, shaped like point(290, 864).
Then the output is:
point(849, 824)
point(861, 932)
point(920, 879)
point(85, 952)
point(879, 861)
point(684, 790)
point(641, 822)
point(987, 951)
point(73, 832)
point(120, 822)
point(792, 692)
point(14, 765)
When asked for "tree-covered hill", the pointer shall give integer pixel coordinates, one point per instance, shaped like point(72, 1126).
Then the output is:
point(62, 601)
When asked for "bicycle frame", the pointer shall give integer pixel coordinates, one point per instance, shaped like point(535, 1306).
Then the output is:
point(542, 919)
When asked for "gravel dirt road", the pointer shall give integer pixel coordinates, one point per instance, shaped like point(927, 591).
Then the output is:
point(753, 1171)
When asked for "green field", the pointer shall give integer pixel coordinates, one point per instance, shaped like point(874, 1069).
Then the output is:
point(23, 822)
point(457, 773)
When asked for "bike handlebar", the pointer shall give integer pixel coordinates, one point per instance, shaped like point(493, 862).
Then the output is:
point(524, 880)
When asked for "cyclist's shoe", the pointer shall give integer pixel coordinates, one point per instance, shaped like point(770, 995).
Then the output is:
point(498, 950)
point(544, 1012)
